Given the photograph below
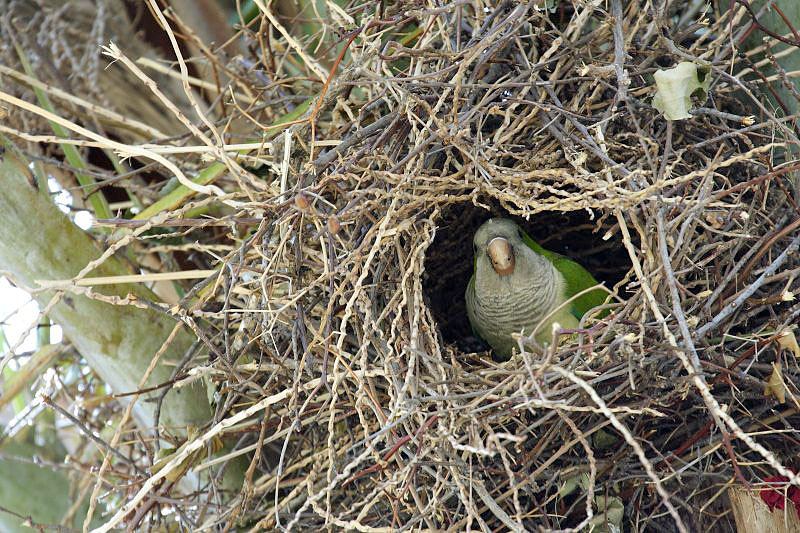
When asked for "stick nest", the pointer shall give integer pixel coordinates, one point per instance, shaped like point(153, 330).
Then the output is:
point(343, 248)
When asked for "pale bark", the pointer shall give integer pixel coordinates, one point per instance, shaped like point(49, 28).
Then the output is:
point(38, 242)
point(38, 490)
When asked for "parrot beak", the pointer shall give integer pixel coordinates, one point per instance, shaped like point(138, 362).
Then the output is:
point(502, 256)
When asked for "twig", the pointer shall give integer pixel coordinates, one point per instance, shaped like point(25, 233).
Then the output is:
point(730, 308)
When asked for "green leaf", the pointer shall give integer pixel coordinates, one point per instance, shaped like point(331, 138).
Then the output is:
point(788, 62)
point(180, 194)
point(609, 511)
point(73, 156)
point(36, 490)
point(676, 86)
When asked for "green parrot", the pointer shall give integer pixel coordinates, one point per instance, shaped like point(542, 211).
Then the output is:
point(517, 283)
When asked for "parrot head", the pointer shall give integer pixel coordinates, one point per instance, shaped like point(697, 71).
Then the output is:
point(498, 248)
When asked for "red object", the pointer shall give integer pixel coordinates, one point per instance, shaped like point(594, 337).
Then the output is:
point(775, 499)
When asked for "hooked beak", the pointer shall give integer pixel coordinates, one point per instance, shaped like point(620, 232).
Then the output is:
point(502, 256)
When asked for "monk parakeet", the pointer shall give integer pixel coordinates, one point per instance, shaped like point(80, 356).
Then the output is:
point(517, 283)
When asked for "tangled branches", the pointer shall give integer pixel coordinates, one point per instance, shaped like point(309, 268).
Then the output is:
point(333, 324)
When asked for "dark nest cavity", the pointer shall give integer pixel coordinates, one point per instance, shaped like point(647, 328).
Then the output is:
point(449, 259)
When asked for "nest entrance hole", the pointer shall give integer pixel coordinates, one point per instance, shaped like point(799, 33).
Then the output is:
point(448, 262)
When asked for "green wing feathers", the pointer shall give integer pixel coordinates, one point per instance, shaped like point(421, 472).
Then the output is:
point(576, 277)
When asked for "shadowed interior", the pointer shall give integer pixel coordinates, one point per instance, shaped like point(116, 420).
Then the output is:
point(448, 263)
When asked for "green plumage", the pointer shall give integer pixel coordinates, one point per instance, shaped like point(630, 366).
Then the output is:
point(576, 279)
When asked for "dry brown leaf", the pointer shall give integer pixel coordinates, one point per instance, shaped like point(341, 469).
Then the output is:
point(787, 341)
point(775, 386)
